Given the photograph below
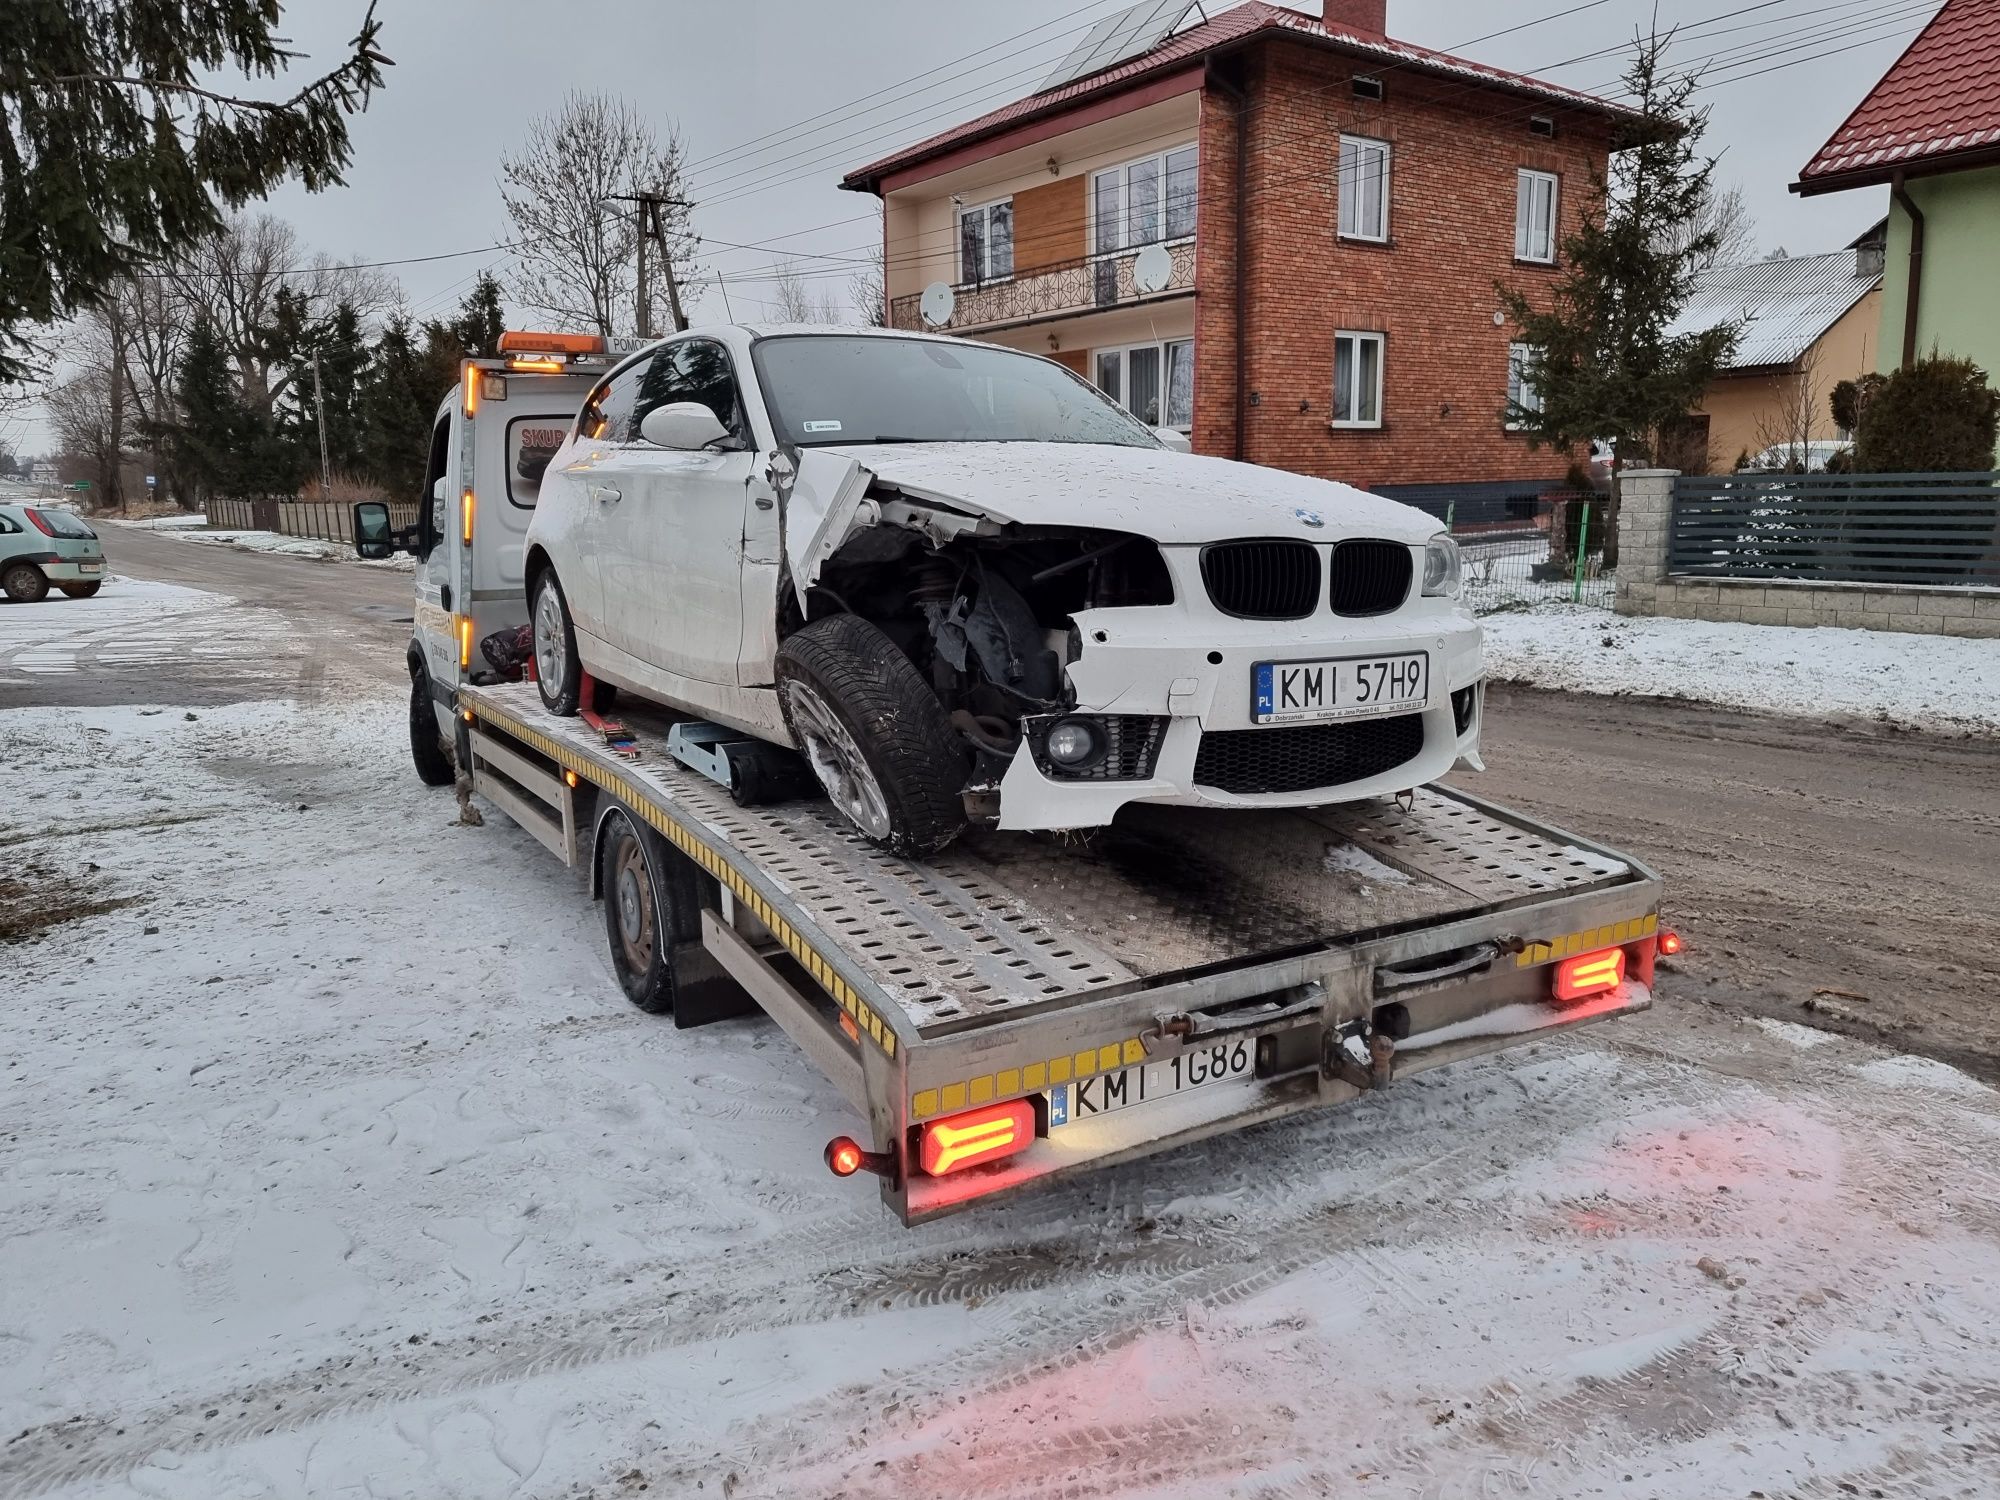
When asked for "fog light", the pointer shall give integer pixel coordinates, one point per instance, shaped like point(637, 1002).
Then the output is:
point(1071, 742)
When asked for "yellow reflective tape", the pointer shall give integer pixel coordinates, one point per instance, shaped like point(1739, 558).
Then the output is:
point(1107, 1056)
point(1135, 1052)
point(1058, 1070)
point(925, 1104)
point(951, 1098)
point(1007, 1081)
point(980, 1090)
point(1086, 1062)
point(1034, 1077)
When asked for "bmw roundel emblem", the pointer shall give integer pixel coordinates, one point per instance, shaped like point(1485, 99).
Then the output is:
point(1310, 517)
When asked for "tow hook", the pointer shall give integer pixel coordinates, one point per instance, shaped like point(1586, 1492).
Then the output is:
point(1379, 1071)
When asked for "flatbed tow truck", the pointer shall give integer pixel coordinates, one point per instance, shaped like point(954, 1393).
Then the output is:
point(1026, 1007)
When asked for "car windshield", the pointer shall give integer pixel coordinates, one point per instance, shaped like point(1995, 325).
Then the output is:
point(63, 523)
point(825, 389)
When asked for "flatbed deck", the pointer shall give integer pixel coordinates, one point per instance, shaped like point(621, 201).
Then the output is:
point(1012, 958)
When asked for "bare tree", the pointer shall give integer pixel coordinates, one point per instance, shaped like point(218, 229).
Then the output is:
point(232, 281)
point(793, 301)
point(1723, 221)
point(867, 289)
point(577, 244)
point(1797, 410)
point(90, 404)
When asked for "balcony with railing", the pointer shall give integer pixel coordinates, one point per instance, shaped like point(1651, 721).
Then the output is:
point(1064, 289)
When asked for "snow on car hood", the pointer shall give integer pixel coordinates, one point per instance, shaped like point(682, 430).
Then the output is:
point(1170, 497)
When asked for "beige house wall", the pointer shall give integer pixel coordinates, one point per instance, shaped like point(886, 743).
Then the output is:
point(922, 226)
point(1753, 411)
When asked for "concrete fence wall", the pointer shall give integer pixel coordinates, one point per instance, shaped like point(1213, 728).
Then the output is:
point(1645, 587)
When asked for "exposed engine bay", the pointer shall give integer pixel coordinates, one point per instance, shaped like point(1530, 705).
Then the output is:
point(985, 609)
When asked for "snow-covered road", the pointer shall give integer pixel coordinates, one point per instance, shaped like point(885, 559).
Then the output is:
point(332, 1162)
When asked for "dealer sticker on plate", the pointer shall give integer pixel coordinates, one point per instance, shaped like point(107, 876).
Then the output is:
point(1346, 688)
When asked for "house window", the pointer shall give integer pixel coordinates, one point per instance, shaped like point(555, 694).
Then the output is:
point(1143, 202)
point(986, 242)
point(1357, 380)
point(1522, 397)
point(1364, 188)
point(1535, 216)
point(1154, 382)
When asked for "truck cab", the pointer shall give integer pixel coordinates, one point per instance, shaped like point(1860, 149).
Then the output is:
point(491, 440)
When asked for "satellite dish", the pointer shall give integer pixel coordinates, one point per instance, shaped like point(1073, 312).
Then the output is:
point(937, 304)
point(1153, 269)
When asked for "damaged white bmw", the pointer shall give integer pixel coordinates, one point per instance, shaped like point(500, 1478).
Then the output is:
point(972, 590)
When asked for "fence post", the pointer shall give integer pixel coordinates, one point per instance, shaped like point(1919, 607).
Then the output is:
point(1582, 552)
point(1645, 516)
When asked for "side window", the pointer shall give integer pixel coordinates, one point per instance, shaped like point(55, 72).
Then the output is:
point(429, 506)
point(695, 370)
point(611, 413)
point(8, 526)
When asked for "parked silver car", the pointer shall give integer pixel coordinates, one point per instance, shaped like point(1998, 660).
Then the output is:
point(43, 547)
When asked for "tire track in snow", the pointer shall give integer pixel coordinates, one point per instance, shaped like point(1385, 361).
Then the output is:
point(808, 1277)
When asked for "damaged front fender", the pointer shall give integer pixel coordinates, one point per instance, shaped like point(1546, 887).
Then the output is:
point(827, 500)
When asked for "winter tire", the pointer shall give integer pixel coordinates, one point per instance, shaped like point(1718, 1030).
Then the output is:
point(434, 766)
point(874, 734)
point(81, 590)
point(24, 584)
point(558, 673)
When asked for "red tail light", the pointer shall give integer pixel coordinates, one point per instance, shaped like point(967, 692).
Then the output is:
point(844, 1157)
point(1670, 942)
point(1590, 974)
point(978, 1135)
point(40, 525)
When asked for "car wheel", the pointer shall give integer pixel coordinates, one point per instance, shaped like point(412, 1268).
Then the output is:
point(558, 673)
point(24, 584)
point(874, 734)
point(81, 590)
point(434, 766)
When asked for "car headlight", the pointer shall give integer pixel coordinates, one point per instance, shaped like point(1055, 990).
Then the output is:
point(1441, 573)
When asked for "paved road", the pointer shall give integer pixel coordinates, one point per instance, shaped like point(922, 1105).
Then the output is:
point(357, 603)
point(1806, 863)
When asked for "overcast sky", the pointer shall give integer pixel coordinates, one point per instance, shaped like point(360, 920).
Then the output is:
point(776, 98)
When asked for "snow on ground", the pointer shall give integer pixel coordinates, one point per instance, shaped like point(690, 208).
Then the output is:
point(1920, 681)
point(162, 523)
point(333, 1162)
point(130, 624)
point(272, 542)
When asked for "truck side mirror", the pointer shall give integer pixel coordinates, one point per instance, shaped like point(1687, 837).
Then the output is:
point(374, 533)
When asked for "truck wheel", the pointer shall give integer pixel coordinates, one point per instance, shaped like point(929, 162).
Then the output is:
point(24, 584)
point(558, 673)
point(434, 767)
point(874, 734)
point(640, 930)
point(81, 590)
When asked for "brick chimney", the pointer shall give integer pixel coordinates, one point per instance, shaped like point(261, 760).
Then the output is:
point(1357, 15)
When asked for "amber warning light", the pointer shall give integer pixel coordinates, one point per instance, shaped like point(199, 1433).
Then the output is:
point(844, 1157)
point(1670, 943)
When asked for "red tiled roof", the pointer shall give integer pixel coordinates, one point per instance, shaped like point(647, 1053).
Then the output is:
point(1230, 27)
point(1939, 99)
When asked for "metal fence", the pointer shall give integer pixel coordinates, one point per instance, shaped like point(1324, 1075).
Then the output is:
point(326, 520)
point(1527, 550)
point(1925, 529)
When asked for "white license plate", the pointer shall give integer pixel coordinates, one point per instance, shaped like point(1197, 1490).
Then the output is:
point(1348, 688)
point(1192, 1068)
point(90, 567)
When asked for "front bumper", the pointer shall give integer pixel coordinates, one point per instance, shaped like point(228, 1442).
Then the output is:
point(1194, 674)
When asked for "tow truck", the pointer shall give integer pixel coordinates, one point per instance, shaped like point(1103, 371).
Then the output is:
point(1021, 1007)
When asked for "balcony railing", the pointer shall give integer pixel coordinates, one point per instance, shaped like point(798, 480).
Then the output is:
point(1065, 288)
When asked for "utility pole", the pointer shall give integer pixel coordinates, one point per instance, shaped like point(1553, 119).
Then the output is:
point(319, 401)
point(652, 223)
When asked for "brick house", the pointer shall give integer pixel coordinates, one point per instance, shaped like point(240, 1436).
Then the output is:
point(1331, 210)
